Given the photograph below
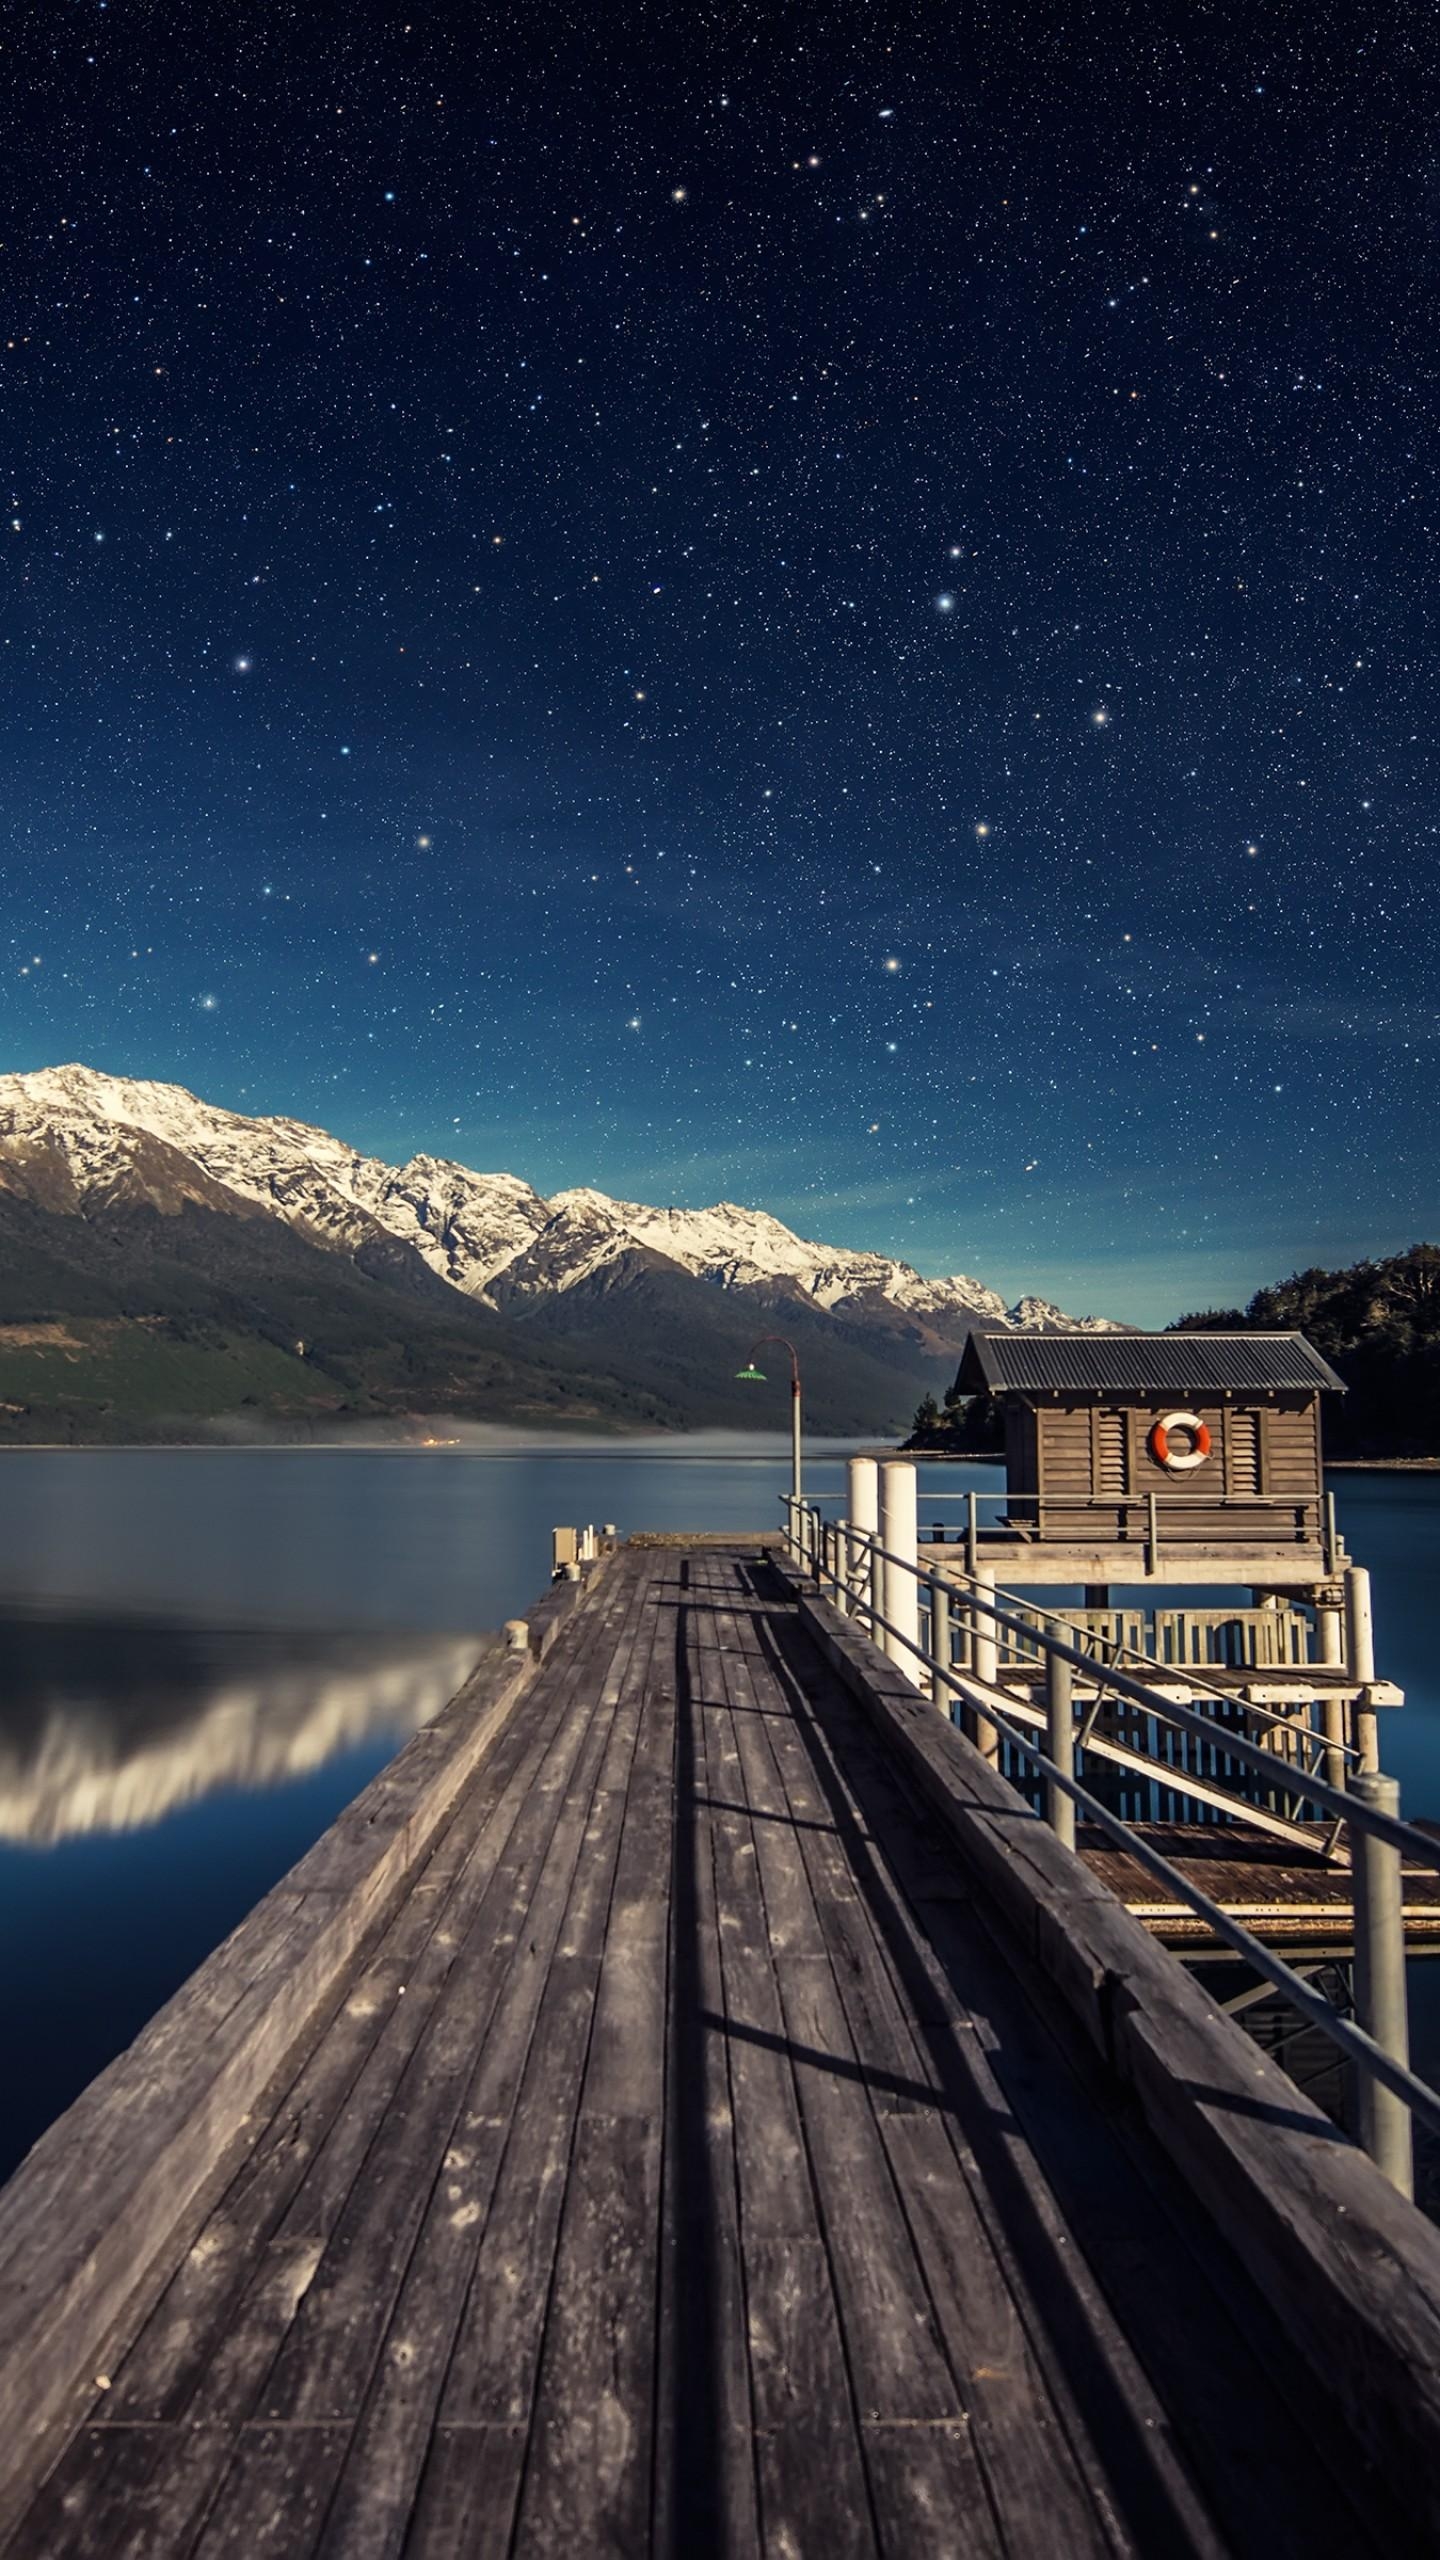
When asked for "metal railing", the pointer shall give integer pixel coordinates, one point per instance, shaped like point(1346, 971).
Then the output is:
point(870, 1568)
point(1152, 1512)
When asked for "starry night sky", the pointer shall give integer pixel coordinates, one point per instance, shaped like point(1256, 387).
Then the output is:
point(836, 609)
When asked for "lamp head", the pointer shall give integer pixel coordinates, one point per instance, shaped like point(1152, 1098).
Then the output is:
point(752, 1374)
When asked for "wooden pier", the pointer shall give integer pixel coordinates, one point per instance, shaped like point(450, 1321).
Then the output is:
point(689, 2106)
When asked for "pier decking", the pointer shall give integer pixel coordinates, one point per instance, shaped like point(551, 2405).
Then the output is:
point(692, 2161)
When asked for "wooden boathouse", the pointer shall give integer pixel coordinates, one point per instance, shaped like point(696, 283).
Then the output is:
point(691, 2104)
point(1205, 1447)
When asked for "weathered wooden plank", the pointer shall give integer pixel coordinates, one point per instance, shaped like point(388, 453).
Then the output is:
point(531, 2059)
point(468, 2495)
point(273, 2497)
point(705, 2498)
point(814, 2494)
point(1019, 2438)
point(496, 2351)
point(1026, 2289)
point(320, 2131)
point(228, 2363)
point(591, 2440)
point(491, 2376)
point(325, 2362)
point(900, 2366)
point(92, 2224)
point(778, 2198)
point(593, 2424)
point(929, 2496)
point(791, 1924)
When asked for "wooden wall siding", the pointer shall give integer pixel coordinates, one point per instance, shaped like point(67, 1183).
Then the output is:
point(1291, 1444)
point(1081, 1459)
point(1065, 1458)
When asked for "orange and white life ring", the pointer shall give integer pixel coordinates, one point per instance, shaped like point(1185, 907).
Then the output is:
point(1179, 1461)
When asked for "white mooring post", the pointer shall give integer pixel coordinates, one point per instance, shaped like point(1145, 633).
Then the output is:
point(899, 1533)
point(1380, 2001)
point(864, 1511)
point(1360, 1660)
point(1330, 1646)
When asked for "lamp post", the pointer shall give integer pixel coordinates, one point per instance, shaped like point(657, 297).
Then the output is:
point(756, 1377)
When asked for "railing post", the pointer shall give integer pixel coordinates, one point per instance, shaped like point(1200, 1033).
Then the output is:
point(943, 1696)
point(985, 1660)
point(864, 1499)
point(840, 1588)
point(1060, 1744)
point(1360, 1660)
point(899, 1533)
point(972, 1533)
point(1380, 2002)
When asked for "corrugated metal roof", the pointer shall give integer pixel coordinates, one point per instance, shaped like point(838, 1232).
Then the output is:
point(1184, 1364)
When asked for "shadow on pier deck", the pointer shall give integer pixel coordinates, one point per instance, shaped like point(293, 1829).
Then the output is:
point(688, 2161)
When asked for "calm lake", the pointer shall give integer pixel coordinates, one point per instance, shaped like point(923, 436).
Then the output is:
point(204, 1654)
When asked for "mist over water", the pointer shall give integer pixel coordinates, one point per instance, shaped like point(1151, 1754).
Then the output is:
point(205, 1654)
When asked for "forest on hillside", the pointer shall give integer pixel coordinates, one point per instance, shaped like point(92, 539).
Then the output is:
point(1377, 1323)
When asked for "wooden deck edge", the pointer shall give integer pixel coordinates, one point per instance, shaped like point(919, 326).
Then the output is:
point(97, 2215)
point(1353, 2270)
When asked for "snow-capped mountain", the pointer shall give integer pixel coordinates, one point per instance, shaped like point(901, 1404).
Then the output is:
point(71, 1137)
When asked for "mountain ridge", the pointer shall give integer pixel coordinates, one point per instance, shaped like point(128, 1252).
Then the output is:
point(490, 1235)
point(164, 1262)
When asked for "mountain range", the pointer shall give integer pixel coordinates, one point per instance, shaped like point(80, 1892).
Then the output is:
point(164, 1262)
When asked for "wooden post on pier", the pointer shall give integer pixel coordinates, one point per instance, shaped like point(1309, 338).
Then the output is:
point(1360, 1660)
point(864, 1518)
point(1330, 1643)
point(899, 1534)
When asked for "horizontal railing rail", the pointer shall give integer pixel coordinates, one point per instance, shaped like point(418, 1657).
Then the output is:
point(860, 1562)
point(1165, 1508)
point(1017, 1614)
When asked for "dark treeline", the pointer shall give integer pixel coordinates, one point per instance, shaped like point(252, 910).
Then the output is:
point(1378, 1324)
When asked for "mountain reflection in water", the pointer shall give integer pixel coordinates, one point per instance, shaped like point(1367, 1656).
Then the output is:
point(156, 1778)
point(106, 1726)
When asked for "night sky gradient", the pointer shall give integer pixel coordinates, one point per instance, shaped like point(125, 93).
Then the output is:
point(835, 609)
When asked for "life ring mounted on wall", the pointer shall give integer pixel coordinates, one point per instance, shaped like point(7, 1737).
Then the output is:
point(1177, 1462)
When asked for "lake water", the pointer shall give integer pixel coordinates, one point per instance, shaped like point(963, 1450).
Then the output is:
point(204, 1654)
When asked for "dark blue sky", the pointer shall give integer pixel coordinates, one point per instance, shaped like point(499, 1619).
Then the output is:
point(830, 608)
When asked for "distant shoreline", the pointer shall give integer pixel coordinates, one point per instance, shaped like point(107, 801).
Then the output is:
point(1383, 1466)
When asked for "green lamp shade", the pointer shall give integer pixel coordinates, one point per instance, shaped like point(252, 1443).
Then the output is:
point(757, 1375)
